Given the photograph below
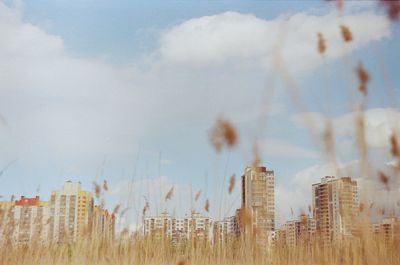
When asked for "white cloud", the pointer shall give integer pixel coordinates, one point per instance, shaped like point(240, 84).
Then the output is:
point(85, 106)
point(237, 38)
point(216, 39)
point(380, 124)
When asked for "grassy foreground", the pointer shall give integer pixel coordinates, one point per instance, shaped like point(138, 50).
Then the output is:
point(367, 251)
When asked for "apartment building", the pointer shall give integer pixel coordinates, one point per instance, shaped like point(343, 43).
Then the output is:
point(195, 227)
point(257, 213)
point(225, 231)
point(103, 224)
point(160, 227)
point(300, 232)
point(69, 216)
point(388, 229)
point(71, 211)
point(335, 207)
point(24, 220)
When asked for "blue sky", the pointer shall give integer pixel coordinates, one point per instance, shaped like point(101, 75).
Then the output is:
point(128, 91)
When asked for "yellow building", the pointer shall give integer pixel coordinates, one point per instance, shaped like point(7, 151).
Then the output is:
point(71, 212)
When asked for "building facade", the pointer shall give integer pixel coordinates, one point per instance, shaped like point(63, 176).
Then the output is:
point(193, 228)
point(296, 233)
point(225, 231)
point(257, 213)
point(69, 216)
point(335, 207)
point(103, 224)
point(160, 227)
point(387, 230)
point(24, 220)
point(71, 211)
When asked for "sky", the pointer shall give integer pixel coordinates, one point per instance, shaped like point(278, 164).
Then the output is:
point(128, 91)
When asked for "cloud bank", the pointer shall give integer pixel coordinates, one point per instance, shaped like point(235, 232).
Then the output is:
point(235, 38)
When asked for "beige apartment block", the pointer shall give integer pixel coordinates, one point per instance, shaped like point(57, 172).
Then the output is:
point(195, 227)
point(257, 214)
point(335, 208)
point(297, 233)
point(388, 230)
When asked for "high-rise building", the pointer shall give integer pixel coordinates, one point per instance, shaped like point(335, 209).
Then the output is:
point(24, 220)
point(335, 206)
point(103, 224)
point(258, 203)
point(71, 211)
point(225, 231)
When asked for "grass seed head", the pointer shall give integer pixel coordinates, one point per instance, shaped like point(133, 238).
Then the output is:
point(346, 33)
point(105, 185)
point(363, 78)
point(197, 196)
point(321, 43)
point(384, 179)
point(232, 181)
point(97, 189)
point(116, 209)
point(207, 206)
point(392, 8)
point(169, 194)
point(223, 134)
point(394, 144)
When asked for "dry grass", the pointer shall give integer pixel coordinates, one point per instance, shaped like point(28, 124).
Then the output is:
point(366, 250)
